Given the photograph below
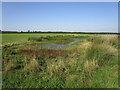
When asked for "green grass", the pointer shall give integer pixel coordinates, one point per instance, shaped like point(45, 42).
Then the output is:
point(8, 38)
point(58, 39)
point(92, 63)
point(19, 38)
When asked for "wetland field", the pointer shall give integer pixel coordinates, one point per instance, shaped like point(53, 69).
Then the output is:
point(49, 60)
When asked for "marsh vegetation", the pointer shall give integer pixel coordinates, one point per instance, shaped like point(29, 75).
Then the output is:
point(88, 63)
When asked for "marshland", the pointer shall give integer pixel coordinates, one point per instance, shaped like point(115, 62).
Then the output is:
point(60, 60)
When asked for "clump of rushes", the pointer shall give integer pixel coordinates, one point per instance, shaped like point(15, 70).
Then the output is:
point(32, 66)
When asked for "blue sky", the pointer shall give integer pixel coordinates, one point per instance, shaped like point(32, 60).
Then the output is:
point(0, 16)
point(60, 16)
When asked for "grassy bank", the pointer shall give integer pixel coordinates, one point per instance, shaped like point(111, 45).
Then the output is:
point(93, 63)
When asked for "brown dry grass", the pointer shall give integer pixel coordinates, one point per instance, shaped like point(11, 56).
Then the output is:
point(32, 66)
point(42, 53)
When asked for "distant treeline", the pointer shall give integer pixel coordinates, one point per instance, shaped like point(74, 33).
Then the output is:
point(59, 32)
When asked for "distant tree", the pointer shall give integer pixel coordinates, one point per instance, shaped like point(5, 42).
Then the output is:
point(28, 30)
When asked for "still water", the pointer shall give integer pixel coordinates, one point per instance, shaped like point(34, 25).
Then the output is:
point(60, 46)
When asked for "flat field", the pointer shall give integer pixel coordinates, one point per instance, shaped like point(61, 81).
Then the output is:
point(8, 38)
point(60, 60)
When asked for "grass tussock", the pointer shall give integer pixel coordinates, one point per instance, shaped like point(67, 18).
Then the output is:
point(32, 66)
point(89, 66)
point(9, 66)
point(56, 68)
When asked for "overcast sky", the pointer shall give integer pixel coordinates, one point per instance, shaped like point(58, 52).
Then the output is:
point(60, 16)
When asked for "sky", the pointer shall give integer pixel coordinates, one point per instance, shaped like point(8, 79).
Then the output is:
point(60, 16)
point(60, 0)
point(0, 16)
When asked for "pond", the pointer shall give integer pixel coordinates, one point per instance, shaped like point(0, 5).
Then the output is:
point(60, 46)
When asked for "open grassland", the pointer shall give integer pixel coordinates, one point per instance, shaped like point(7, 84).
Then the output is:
point(23, 37)
point(92, 63)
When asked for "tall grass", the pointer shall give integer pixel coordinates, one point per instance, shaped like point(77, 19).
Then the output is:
point(32, 66)
point(92, 64)
point(106, 39)
point(102, 48)
point(101, 52)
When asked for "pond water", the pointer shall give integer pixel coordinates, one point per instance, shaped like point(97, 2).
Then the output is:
point(60, 46)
